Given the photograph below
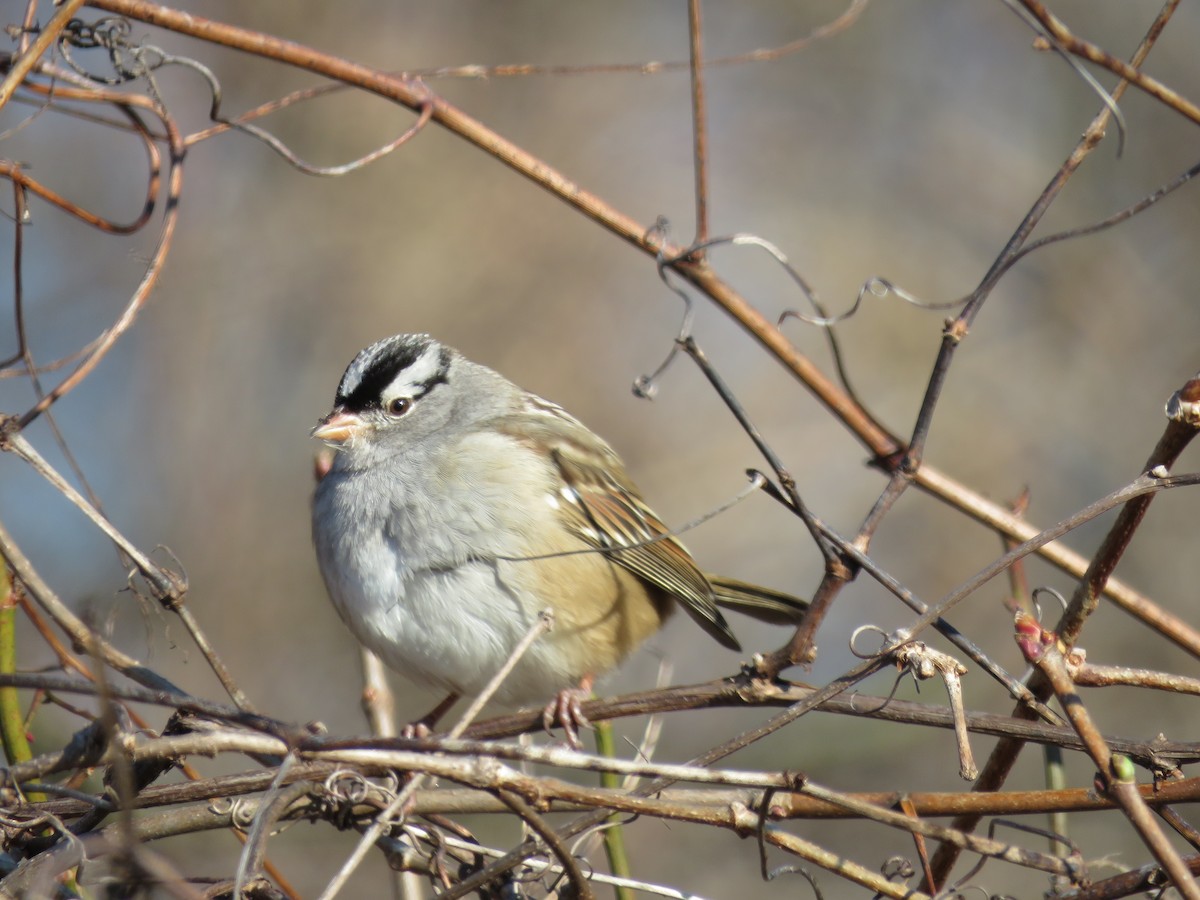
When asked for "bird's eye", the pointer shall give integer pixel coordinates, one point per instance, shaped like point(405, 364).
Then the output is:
point(399, 406)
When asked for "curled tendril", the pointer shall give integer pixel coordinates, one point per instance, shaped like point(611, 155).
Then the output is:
point(889, 640)
point(391, 783)
point(897, 868)
point(797, 870)
point(645, 386)
point(1037, 606)
point(868, 628)
point(241, 814)
point(347, 786)
point(585, 866)
point(879, 288)
point(130, 60)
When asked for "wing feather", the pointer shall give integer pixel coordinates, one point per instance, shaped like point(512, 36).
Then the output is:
point(602, 507)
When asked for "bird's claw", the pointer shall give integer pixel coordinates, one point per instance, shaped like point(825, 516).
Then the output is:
point(416, 731)
point(567, 710)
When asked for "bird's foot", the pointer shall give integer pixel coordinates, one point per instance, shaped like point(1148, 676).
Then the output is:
point(567, 710)
point(423, 727)
point(416, 731)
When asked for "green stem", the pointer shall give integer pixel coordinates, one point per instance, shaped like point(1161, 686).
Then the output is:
point(12, 721)
point(614, 835)
point(1056, 780)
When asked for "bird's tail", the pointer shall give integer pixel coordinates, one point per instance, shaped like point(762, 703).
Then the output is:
point(764, 604)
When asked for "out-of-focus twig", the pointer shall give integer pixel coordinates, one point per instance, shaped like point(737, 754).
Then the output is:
point(831, 29)
point(168, 587)
point(80, 634)
point(1129, 72)
point(378, 702)
point(699, 118)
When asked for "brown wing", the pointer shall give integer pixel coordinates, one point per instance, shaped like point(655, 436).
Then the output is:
point(604, 509)
point(611, 516)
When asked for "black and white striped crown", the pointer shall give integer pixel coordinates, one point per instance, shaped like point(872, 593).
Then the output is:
point(409, 365)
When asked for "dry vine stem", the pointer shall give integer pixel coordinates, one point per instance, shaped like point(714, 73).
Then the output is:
point(311, 781)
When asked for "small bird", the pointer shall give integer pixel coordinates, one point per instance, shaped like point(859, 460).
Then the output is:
point(458, 506)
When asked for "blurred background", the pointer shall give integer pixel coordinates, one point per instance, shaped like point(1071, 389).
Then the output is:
point(907, 147)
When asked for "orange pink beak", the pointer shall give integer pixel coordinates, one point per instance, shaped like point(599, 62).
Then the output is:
point(338, 428)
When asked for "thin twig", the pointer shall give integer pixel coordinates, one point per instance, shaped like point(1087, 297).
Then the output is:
point(272, 807)
point(1141, 881)
point(378, 702)
point(669, 803)
point(699, 120)
point(1183, 419)
point(1045, 650)
point(1129, 72)
point(651, 67)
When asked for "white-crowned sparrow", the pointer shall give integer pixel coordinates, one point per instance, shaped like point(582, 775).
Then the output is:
point(456, 509)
